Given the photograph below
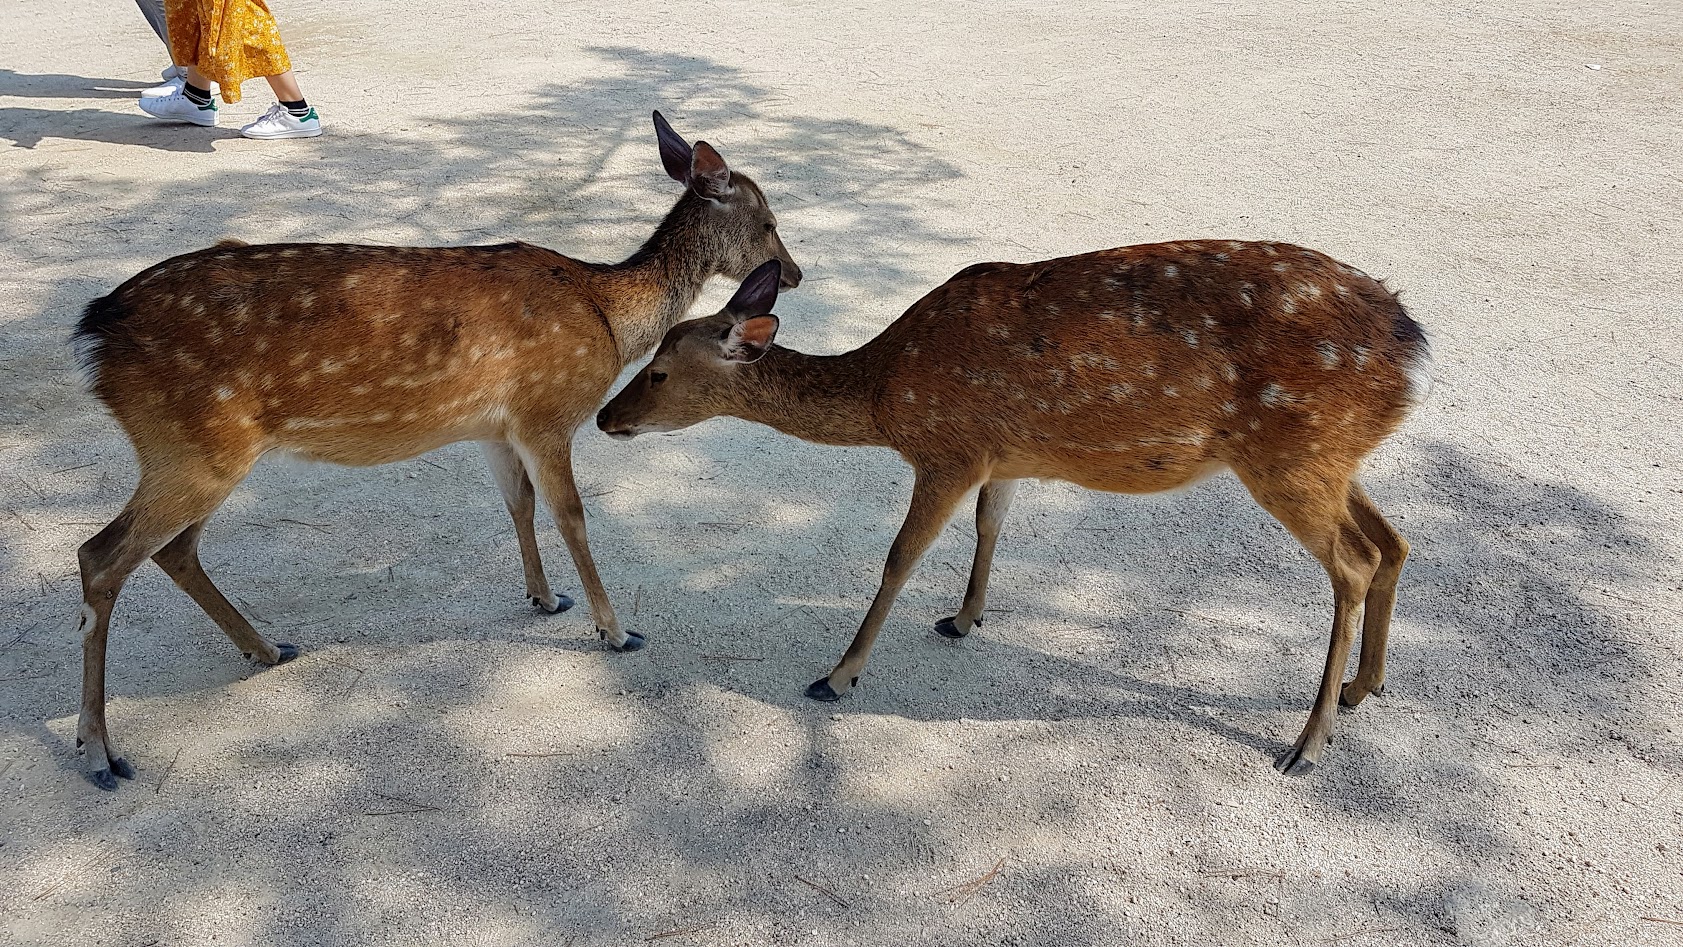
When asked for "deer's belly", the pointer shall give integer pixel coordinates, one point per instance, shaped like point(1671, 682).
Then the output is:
point(1143, 469)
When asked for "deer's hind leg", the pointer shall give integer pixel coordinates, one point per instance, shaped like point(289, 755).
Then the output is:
point(180, 561)
point(993, 501)
point(1381, 597)
point(521, 500)
point(167, 503)
point(1313, 505)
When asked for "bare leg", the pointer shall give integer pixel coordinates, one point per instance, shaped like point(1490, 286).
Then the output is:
point(285, 87)
point(934, 498)
point(1318, 515)
point(1381, 597)
point(992, 502)
point(197, 79)
point(161, 508)
point(521, 501)
point(180, 560)
point(553, 460)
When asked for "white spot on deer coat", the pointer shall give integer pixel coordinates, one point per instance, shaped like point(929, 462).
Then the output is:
point(1328, 353)
point(1170, 391)
point(223, 393)
point(1229, 408)
point(1171, 271)
point(1273, 395)
point(1191, 338)
point(1359, 355)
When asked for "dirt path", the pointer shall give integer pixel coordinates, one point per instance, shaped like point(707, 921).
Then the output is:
point(444, 767)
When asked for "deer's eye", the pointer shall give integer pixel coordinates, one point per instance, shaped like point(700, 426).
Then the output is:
point(656, 378)
point(770, 226)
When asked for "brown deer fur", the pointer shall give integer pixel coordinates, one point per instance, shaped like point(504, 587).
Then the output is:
point(1131, 370)
point(366, 355)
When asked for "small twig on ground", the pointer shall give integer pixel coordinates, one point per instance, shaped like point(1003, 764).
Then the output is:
point(537, 756)
point(77, 467)
point(414, 806)
point(781, 618)
point(676, 932)
point(46, 587)
point(1361, 933)
point(77, 872)
point(1663, 920)
point(725, 525)
point(598, 493)
point(22, 634)
point(958, 894)
point(158, 789)
point(322, 527)
point(434, 463)
point(636, 601)
point(826, 892)
point(19, 517)
point(1234, 874)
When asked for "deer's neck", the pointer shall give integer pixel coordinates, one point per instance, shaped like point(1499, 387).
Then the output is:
point(826, 399)
point(654, 288)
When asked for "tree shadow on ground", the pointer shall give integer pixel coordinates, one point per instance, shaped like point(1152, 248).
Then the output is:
point(562, 794)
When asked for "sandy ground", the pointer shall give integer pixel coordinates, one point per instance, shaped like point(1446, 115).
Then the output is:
point(443, 766)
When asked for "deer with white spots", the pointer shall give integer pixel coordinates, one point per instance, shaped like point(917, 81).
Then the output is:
point(366, 355)
point(1132, 370)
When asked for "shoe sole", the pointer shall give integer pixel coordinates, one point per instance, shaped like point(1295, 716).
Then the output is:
point(298, 133)
point(183, 119)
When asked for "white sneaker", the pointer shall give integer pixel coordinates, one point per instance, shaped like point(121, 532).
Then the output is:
point(173, 85)
point(277, 122)
point(173, 72)
point(179, 108)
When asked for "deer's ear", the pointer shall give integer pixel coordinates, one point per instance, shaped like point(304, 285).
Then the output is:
point(675, 152)
point(747, 341)
point(709, 176)
point(758, 293)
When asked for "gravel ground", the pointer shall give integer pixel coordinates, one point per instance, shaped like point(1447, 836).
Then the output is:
point(443, 766)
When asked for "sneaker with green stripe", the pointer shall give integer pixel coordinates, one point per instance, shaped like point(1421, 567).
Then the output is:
point(179, 108)
point(277, 122)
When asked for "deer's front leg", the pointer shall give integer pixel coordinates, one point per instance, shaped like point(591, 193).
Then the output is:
point(934, 497)
point(992, 502)
point(552, 461)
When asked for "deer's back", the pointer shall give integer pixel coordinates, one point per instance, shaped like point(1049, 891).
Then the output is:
point(347, 353)
point(1139, 368)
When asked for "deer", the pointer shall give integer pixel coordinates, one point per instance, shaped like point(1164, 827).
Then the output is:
point(363, 355)
point(1133, 370)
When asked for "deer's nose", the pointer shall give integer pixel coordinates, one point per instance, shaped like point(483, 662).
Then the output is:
point(791, 276)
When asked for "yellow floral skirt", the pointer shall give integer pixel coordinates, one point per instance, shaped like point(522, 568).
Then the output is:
point(229, 41)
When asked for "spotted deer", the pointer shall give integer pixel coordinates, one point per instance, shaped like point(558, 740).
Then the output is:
point(367, 355)
point(1132, 370)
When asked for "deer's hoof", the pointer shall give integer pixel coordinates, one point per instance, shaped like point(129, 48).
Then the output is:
point(103, 779)
point(121, 768)
point(822, 691)
point(288, 652)
point(948, 628)
point(562, 603)
point(1347, 699)
point(1294, 762)
point(633, 641)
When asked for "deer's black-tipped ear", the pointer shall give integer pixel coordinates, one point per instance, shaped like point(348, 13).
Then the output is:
point(748, 341)
point(758, 293)
point(709, 175)
point(675, 153)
